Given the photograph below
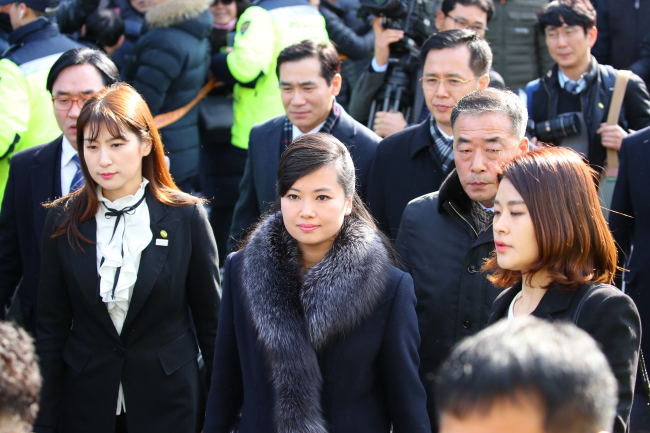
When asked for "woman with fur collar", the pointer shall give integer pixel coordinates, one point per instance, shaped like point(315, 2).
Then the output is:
point(317, 331)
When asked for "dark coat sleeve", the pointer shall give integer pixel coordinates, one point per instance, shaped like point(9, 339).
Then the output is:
point(612, 319)
point(10, 258)
point(364, 93)
point(641, 66)
point(247, 209)
point(226, 392)
point(203, 284)
point(637, 104)
point(348, 43)
point(621, 219)
point(54, 314)
point(406, 395)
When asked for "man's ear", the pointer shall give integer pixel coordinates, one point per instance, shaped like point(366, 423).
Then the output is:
point(523, 146)
point(336, 84)
point(83, 30)
point(592, 35)
point(440, 18)
point(483, 81)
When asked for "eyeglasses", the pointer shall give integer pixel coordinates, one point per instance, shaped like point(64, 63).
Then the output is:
point(463, 24)
point(223, 2)
point(451, 83)
point(63, 103)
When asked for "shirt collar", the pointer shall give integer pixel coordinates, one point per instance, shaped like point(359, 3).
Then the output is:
point(563, 79)
point(67, 152)
point(296, 132)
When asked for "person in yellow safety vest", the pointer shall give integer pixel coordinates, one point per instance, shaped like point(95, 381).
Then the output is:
point(263, 30)
point(26, 115)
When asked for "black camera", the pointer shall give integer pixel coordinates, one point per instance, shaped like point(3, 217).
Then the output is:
point(414, 17)
point(554, 130)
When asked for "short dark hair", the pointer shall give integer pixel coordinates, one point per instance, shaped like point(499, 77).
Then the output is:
point(558, 366)
point(491, 100)
point(20, 377)
point(324, 52)
point(84, 56)
point(480, 60)
point(570, 12)
point(486, 6)
point(104, 27)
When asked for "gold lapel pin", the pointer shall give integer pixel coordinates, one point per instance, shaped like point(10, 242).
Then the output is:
point(163, 234)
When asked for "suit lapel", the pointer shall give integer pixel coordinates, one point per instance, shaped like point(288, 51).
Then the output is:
point(553, 302)
point(154, 256)
point(85, 270)
point(269, 163)
point(45, 183)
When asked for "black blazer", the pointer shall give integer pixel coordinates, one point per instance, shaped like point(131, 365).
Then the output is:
point(83, 359)
point(609, 316)
point(632, 197)
point(34, 179)
point(257, 191)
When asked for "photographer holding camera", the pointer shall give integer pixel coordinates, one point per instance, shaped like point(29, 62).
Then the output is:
point(569, 104)
point(454, 14)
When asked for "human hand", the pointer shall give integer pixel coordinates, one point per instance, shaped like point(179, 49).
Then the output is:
point(611, 135)
point(387, 123)
point(383, 38)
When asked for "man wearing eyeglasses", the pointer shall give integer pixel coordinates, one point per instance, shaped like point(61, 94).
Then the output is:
point(454, 14)
point(42, 173)
point(416, 160)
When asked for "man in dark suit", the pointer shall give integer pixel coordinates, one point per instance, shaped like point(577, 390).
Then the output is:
point(416, 160)
point(310, 79)
point(445, 236)
point(629, 221)
point(42, 173)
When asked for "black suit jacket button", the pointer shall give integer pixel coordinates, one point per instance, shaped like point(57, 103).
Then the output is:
point(467, 324)
point(471, 269)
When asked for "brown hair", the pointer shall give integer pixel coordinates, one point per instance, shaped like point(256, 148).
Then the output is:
point(575, 244)
point(119, 108)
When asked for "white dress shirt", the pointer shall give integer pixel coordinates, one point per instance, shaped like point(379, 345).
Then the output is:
point(132, 235)
point(68, 166)
point(296, 132)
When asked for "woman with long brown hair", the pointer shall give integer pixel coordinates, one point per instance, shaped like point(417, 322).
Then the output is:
point(556, 259)
point(129, 284)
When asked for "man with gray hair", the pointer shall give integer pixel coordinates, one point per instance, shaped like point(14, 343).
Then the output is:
point(527, 376)
point(445, 236)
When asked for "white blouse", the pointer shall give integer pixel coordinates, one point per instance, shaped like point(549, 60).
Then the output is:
point(121, 246)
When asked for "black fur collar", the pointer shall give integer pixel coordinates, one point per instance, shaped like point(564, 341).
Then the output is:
point(296, 316)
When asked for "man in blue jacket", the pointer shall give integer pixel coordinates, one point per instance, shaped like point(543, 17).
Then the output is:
point(309, 82)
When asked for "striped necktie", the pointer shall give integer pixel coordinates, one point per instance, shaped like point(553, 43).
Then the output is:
point(78, 178)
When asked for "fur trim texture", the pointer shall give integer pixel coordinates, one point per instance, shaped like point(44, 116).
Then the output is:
point(168, 13)
point(297, 315)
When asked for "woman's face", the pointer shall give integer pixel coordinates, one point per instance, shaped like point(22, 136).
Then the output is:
point(223, 13)
point(115, 163)
point(514, 233)
point(314, 208)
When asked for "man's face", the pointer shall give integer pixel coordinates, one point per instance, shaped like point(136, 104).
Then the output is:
point(481, 144)
point(74, 82)
point(505, 416)
point(15, 15)
point(463, 17)
point(141, 5)
point(570, 46)
point(306, 96)
point(452, 65)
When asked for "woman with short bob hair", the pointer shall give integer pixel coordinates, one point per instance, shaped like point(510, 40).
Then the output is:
point(318, 331)
point(555, 249)
point(128, 284)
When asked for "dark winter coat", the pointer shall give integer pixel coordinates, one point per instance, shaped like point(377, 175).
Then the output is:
point(595, 99)
point(172, 313)
point(608, 315)
point(439, 246)
point(405, 167)
point(133, 24)
point(331, 350)
point(630, 222)
point(168, 67)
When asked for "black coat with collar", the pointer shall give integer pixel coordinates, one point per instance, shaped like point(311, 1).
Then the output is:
point(405, 167)
point(608, 315)
point(34, 179)
point(257, 191)
point(630, 221)
point(83, 359)
point(339, 344)
point(439, 246)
